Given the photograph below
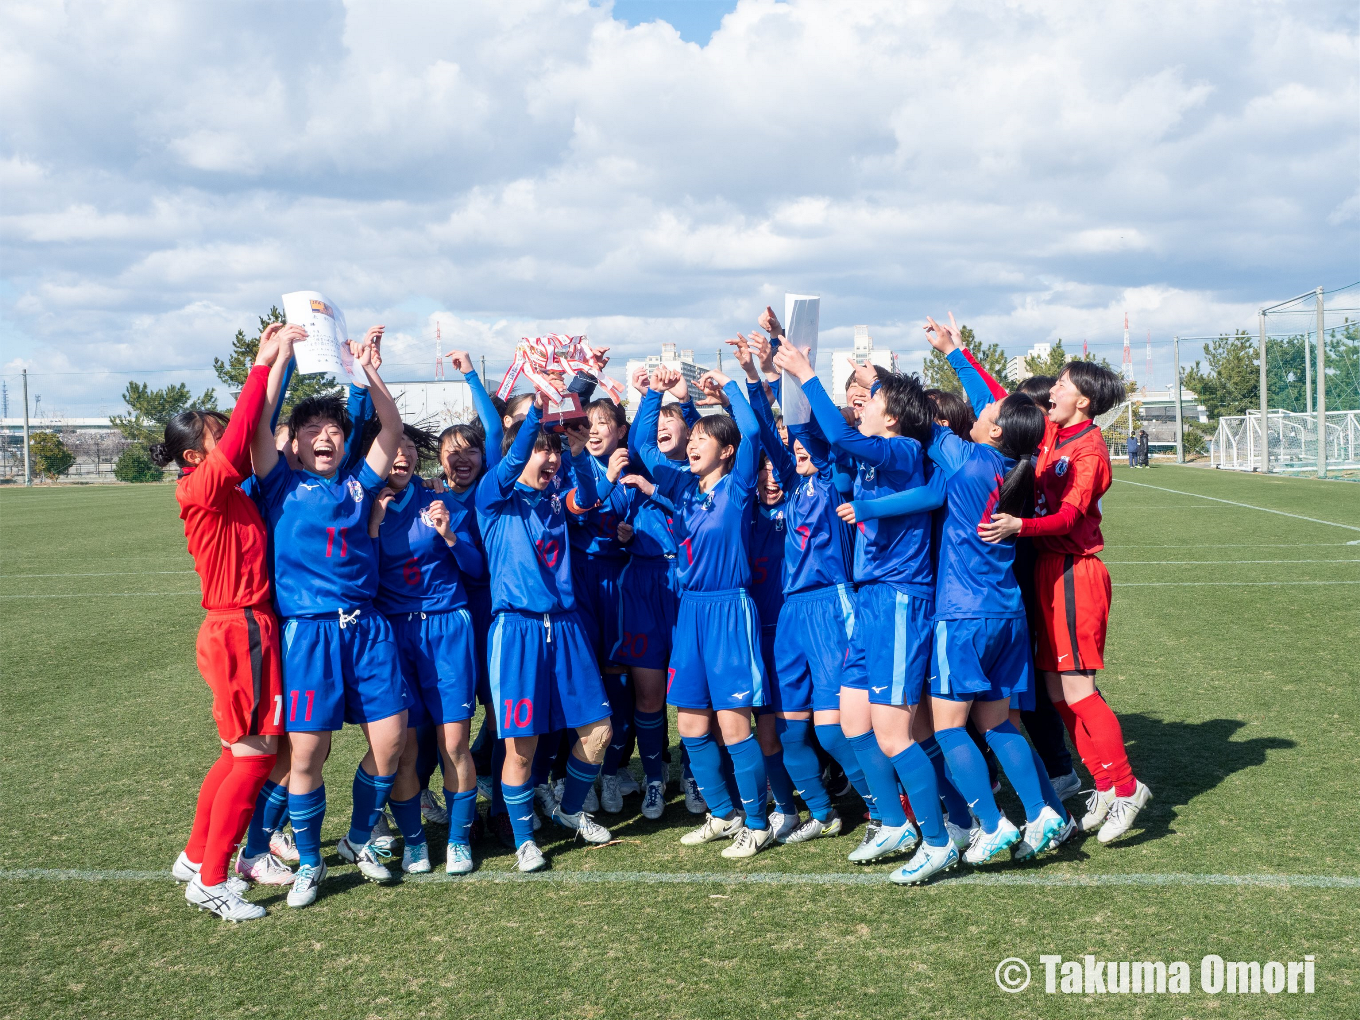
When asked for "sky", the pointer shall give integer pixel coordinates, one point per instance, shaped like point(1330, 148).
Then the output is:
point(646, 172)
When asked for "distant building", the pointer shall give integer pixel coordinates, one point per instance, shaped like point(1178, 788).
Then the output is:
point(681, 360)
point(1017, 371)
point(1160, 405)
point(438, 404)
point(842, 362)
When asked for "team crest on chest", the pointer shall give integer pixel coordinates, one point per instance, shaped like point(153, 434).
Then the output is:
point(425, 517)
point(356, 491)
point(556, 503)
point(779, 521)
point(1060, 468)
point(868, 474)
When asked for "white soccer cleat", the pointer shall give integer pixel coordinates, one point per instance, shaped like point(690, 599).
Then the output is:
point(221, 901)
point(714, 829)
point(265, 869)
point(925, 863)
point(958, 835)
point(368, 858)
point(382, 834)
point(432, 809)
point(783, 825)
point(583, 825)
point(627, 784)
point(749, 842)
point(1039, 835)
point(306, 884)
point(986, 845)
point(887, 840)
point(281, 845)
point(1066, 786)
point(870, 834)
point(458, 860)
point(415, 860)
point(1122, 813)
point(1068, 831)
point(1097, 807)
point(185, 870)
point(545, 799)
point(591, 804)
point(654, 800)
point(528, 857)
point(611, 794)
point(814, 829)
point(694, 798)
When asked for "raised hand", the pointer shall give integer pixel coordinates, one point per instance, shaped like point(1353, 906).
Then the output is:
point(943, 338)
point(576, 435)
point(745, 357)
point(664, 378)
point(599, 361)
point(769, 322)
point(865, 375)
point(790, 359)
point(374, 336)
point(269, 345)
point(461, 360)
point(618, 460)
point(640, 380)
point(760, 344)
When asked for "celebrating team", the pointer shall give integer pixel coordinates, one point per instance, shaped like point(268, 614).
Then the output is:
point(857, 601)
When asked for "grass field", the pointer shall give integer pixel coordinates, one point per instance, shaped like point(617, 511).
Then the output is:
point(1235, 657)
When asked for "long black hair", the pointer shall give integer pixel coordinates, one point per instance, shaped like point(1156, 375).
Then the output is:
point(955, 411)
point(1022, 430)
point(184, 432)
point(424, 440)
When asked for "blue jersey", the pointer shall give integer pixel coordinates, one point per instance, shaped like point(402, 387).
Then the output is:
point(975, 579)
point(596, 532)
point(525, 531)
point(713, 528)
point(323, 559)
point(895, 550)
point(768, 531)
point(417, 571)
point(653, 521)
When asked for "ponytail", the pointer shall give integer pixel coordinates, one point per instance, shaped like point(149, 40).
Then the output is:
point(183, 432)
point(1022, 430)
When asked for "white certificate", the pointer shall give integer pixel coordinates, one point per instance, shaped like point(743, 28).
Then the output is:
point(801, 314)
point(325, 349)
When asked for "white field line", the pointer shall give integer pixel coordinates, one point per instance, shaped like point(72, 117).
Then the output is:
point(1217, 584)
point(1210, 563)
point(102, 594)
point(1233, 502)
point(112, 573)
point(1245, 545)
point(1013, 878)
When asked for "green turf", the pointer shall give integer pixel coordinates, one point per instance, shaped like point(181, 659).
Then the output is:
point(1238, 700)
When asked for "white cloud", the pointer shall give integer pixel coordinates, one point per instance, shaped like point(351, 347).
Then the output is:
point(507, 169)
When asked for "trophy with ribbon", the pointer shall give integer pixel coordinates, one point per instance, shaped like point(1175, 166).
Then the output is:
point(565, 369)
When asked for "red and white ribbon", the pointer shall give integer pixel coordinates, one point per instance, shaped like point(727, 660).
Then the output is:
point(537, 356)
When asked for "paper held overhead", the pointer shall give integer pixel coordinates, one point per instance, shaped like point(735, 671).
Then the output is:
point(326, 348)
point(801, 315)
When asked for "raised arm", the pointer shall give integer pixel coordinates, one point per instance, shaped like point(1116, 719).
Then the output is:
point(785, 467)
point(978, 384)
point(671, 478)
point(507, 472)
point(948, 450)
point(384, 449)
point(263, 454)
point(239, 436)
point(481, 401)
point(747, 464)
point(289, 371)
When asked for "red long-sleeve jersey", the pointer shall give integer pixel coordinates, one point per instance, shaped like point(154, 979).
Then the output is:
point(1071, 474)
point(223, 526)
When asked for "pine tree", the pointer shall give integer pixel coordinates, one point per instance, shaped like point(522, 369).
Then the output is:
point(940, 375)
point(151, 409)
point(234, 370)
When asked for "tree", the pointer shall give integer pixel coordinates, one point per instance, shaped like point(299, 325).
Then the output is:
point(136, 465)
point(1232, 382)
point(940, 375)
point(234, 370)
point(151, 409)
point(1051, 365)
point(49, 456)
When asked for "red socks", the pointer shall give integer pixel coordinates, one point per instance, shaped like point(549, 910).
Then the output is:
point(1086, 747)
point(231, 811)
point(1107, 741)
point(198, 836)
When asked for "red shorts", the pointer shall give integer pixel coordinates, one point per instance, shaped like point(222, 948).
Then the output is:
point(1073, 598)
point(238, 655)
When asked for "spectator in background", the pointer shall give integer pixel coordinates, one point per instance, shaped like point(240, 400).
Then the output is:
point(1142, 448)
point(1133, 450)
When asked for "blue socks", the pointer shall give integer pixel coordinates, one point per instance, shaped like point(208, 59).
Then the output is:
point(954, 803)
point(1017, 759)
point(620, 697)
point(462, 813)
point(370, 797)
point(805, 771)
point(307, 811)
point(519, 802)
point(968, 770)
point(913, 767)
point(271, 806)
point(749, 765)
point(781, 785)
point(705, 762)
point(834, 743)
point(651, 743)
point(407, 815)
point(580, 778)
point(882, 780)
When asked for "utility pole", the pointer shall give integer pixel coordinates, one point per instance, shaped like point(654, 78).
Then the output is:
point(1180, 424)
point(1321, 391)
point(483, 369)
point(719, 352)
point(1265, 419)
point(1307, 376)
point(28, 475)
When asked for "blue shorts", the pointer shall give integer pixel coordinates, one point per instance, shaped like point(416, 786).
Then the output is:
point(479, 605)
point(649, 596)
point(981, 660)
point(335, 674)
point(814, 636)
point(543, 678)
point(890, 649)
point(715, 658)
point(595, 583)
point(437, 655)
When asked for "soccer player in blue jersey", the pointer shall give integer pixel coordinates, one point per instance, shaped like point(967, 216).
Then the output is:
point(716, 674)
point(339, 660)
point(543, 673)
point(425, 550)
point(885, 669)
